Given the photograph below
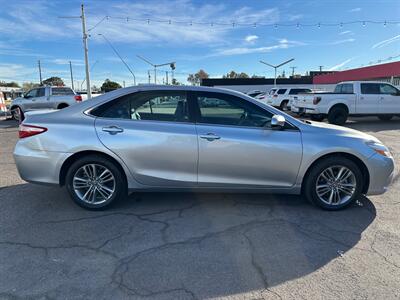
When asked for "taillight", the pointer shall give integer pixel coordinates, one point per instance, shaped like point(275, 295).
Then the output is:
point(29, 130)
point(316, 100)
point(78, 98)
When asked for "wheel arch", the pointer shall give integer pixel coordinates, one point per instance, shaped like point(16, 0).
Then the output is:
point(62, 105)
point(339, 104)
point(363, 168)
point(71, 159)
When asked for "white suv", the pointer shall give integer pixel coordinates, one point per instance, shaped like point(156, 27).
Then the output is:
point(280, 98)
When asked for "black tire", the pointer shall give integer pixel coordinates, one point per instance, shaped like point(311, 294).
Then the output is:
point(310, 182)
point(284, 105)
point(338, 115)
point(61, 106)
point(385, 117)
point(120, 191)
point(318, 118)
point(14, 113)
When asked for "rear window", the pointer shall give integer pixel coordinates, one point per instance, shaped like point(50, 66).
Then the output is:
point(298, 91)
point(281, 91)
point(61, 91)
point(344, 89)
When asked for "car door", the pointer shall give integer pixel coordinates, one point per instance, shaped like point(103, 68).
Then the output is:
point(29, 99)
point(370, 98)
point(389, 99)
point(151, 131)
point(238, 147)
point(40, 101)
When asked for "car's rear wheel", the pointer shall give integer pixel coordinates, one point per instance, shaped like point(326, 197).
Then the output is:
point(318, 118)
point(333, 183)
point(385, 117)
point(95, 182)
point(284, 105)
point(338, 115)
point(17, 114)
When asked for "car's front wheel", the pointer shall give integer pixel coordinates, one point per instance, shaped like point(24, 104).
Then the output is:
point(95, 182)
point(333, 183)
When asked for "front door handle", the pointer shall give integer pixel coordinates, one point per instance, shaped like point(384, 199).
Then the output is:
point(210, 137)
point(112, 129)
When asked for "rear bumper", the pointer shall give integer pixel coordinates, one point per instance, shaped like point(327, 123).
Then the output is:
point(304, 110)
point(38, 166)
point(382, 171)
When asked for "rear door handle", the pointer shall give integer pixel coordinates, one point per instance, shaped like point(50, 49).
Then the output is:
point(112, 129)
point(210, 137)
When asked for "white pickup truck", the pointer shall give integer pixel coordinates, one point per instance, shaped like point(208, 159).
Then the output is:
point(350, 98)
point(45, 97)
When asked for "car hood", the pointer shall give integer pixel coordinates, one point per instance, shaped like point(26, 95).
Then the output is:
point(324, 128)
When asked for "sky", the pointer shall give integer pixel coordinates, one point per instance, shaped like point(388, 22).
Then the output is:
point(216, 36)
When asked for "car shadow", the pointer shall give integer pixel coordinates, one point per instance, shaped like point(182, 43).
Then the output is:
point(373, 124)
point(182, 245)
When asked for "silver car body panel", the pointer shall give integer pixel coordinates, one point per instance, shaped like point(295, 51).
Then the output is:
point(170, 156)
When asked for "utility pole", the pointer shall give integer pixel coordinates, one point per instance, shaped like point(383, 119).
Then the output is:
point(123, 83)
point(166, 76)
point(293, 70)
point(72, 77)
point(148, 74)
point(40, 72)
point(85, 48)
point(320, 68)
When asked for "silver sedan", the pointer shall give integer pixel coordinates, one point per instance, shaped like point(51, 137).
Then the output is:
point(195, 138)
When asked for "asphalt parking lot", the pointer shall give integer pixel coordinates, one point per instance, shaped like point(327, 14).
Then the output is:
point(184, 246)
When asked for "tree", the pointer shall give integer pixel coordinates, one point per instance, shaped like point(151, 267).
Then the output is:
point(196, 78)
point(109, 85)
point(257, 76)
point(54, 81)
point(29, 85)
point(9, 84)
point(233, 74)
point(175, 82)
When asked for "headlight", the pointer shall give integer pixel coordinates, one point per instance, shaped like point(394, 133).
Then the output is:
point(379, 148)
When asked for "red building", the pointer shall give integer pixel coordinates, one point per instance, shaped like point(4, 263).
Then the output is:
point(385, 72)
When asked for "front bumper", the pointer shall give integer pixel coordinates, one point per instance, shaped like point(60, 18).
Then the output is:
point(381, 172)
point(38, 166)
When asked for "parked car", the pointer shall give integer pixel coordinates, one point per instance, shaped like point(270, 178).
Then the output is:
point(46, 97)
point(352, 98)
point(280, 97)
point(255, 93)
point(124, 141)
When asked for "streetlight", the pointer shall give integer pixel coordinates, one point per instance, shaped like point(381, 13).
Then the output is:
point(276, 67)
point(171, 64)
point(116, 52)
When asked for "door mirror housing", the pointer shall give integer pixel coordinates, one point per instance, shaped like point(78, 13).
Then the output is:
point(278, 122)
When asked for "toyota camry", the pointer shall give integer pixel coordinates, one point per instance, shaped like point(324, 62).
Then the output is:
point(168, 138)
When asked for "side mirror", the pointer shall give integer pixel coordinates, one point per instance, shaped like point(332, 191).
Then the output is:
point(278, 122)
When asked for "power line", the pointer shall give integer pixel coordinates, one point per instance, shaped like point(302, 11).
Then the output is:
point(233, 24)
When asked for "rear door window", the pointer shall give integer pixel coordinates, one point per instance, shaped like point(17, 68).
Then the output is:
point(370, 88)
point(62, 91)
point(169, 106)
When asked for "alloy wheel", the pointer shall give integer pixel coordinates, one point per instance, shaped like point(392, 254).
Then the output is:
point(336, 185)
point(94, 184)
